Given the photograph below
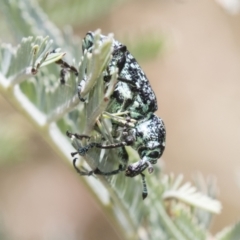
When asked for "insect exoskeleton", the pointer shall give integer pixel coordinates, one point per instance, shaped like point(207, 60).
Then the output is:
point(133, 99)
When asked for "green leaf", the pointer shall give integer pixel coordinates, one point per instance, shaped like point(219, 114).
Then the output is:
point(189, 194)
point(24, 62)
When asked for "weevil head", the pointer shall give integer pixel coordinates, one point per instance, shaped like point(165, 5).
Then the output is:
point(87, 42)
point(150, 144)
point(151, 154)
point(148, 157)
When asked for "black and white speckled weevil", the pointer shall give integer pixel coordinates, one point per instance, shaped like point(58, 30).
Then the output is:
point(134, 95)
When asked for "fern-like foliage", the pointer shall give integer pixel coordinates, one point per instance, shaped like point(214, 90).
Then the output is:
point(168, 212)
point(189, 195)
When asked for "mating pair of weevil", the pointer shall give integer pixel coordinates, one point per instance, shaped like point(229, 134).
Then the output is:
point(134, 95)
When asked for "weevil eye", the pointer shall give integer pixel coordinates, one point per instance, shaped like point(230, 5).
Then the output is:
point(149, 153)
point(154, 154)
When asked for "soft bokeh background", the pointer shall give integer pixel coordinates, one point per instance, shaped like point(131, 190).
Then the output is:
point(196, 77)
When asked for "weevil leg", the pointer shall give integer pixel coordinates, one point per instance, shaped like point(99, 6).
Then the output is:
point(81, 172)
point(78, 136)
point(127, 140)
point(65, 67)
point(123, 155)
point(83, 150)
point(97, 171)
point(145, 191)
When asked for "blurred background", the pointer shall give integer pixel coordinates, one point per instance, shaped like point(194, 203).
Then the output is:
point(193, 64)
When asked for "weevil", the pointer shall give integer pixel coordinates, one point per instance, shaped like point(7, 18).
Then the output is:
point(132, 95)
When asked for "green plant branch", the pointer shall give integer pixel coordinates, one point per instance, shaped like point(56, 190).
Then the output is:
point(55, 108)
point(119, 188)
